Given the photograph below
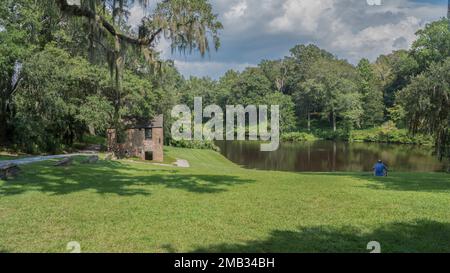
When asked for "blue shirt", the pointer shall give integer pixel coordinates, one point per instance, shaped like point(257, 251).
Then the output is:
point(379, 169)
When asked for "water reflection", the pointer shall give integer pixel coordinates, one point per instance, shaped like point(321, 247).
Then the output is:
point(328, 156)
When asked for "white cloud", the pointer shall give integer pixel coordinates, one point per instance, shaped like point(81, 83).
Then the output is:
point(375, 40)
point(303, 16)
point(267, 29)
point(236, 11)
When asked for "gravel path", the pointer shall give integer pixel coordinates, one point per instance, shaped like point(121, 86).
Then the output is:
point(182, 163)
point(29, 160)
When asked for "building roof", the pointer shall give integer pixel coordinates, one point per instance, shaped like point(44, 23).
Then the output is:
point(140, 123)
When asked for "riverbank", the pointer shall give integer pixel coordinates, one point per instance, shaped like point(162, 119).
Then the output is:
point(373, 135)
point(216, 206)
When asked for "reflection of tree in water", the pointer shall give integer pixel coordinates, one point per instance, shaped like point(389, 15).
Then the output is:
point(332, 156)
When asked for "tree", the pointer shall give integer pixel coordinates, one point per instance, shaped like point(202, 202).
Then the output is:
point(277, 72)
point(199, 87)
point(394, 72)
point(47, 105)
point(309, 98)
point(250, 88)
point(372, 96)
point(288, 120)
point(432, 44)
point(340, 97)
point(16, 18)
point(426, 102)
point(188, 24)
point(300, 61)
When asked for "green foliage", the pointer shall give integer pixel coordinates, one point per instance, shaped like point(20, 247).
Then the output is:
point(57, 85)
point(388, 133)
point(394, 72)
point(97, 113)
point(426, 102)
point(74, 97)
point(250, 88)
point(94, 140)
point(397, 114)
point(298, 137)
point(195, 144)
point(288, 119)
point(372, 95)
point(432, 44)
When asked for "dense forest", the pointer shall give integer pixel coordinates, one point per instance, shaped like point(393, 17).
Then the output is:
point(70, 72)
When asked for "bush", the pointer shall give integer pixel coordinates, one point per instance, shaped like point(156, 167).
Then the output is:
point(339, 134)
point(298, 137)
point(388, 133)
point(195, 144)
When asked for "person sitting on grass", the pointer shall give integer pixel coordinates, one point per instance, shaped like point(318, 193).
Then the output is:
point(380, 169)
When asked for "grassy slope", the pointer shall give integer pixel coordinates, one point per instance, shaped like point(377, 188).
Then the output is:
point(215, 206)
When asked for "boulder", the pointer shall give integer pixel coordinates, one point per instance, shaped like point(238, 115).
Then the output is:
point(9, 170)
point(91, 160)
point(64, 162)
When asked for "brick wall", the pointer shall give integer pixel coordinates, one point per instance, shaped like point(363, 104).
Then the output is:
point(158, 144)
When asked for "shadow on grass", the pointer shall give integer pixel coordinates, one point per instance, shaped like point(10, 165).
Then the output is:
point(113, 178)
point(420, 182)
point(418, 236)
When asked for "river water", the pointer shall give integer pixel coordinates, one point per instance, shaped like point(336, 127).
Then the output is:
point(329, 156)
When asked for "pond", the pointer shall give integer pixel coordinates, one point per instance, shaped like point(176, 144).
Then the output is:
point(329, 156)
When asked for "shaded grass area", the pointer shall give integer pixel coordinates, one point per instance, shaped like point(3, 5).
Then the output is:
point(216, 206)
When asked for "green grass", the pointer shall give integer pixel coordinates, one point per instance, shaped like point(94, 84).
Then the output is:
point(216, 206)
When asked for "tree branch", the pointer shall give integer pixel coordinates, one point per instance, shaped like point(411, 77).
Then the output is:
point(87, 13)
point(15, 87)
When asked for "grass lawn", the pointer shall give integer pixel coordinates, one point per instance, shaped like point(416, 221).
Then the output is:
point(216, 206)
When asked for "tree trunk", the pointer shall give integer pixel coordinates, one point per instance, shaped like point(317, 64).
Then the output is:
point(3, 129)
point(3, 122)
point(91, 129)
point(333, 120)
point(309, 121)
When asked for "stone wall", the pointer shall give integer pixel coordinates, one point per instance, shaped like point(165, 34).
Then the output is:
point(136, 145)
point(133, 145)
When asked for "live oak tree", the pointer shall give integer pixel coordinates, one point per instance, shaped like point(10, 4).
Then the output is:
point(427, 104)
point(188, 25)
point(23, 28)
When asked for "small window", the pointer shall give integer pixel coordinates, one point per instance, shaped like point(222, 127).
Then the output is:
point(148, 134)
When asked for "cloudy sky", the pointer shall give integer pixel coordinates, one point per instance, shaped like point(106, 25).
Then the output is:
point(266, 29)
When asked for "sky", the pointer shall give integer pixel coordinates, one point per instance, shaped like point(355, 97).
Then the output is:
point(256, 30)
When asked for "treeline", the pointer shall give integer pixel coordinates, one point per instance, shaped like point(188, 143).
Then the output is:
point(58, 86)
point(404, 94)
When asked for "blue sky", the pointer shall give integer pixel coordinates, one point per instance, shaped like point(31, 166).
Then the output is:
point(266, 29)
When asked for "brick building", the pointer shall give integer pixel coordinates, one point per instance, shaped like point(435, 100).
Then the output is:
point(141, 138)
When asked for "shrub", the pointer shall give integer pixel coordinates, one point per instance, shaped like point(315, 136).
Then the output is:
point(389, 133)
point(195, 144)
point(298, 137)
